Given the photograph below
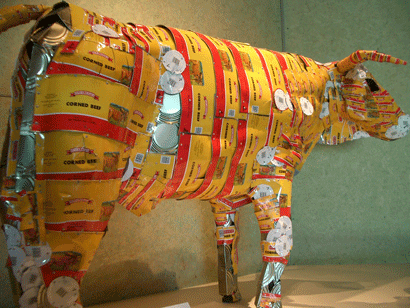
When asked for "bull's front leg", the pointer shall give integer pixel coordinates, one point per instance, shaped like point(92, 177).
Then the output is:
point(272, 209)
point(227, 234)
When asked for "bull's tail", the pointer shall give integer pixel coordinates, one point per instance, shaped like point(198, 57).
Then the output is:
point(12, 16)
point(361, 56)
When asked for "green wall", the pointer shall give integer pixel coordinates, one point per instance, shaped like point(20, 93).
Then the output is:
point(350, 202)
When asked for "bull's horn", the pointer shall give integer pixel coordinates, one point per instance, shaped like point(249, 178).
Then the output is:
point(361, 56)
point(12, 16)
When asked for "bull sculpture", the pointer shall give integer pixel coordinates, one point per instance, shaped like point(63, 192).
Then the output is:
point(106, 113)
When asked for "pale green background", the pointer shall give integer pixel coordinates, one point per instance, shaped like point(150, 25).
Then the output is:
point(350, 202)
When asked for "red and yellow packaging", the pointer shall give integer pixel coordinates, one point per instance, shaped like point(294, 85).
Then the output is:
point(70, 155)
point(256, 132)
point(227, 140)
point(77, 206)
point(199, 149)
point(72, 251)
point(160, 164)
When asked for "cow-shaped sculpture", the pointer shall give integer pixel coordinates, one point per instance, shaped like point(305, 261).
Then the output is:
point(107, 113)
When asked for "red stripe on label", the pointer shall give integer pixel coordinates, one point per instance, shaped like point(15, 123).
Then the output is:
point(186, 94)
point(94, 175)
point(131, 41)
point(180, 166)
point(57, 68)
point(275, 259)
point(243, 80)
point(219, 75)
point(82, 123)
point(84, 225)
point(141, 38)
point(216, 152)
point(265, 68)
point(50, 274)
point(136, 77)
point(281, 60)
point(236, 159)
point(284, 66)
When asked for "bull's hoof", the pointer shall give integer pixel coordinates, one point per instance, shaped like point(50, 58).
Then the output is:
point(233, 298)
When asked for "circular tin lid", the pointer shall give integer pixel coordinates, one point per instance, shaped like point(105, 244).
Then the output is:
point(362, 134)
point(31, 278)
point(277, 163)
point(63, 292)
point(29, 298)
point(171, 104)
point(283, 246)
point(284, 224)
point(288, 102)
point(307, 106)
point(55, 34)
point(265, 155)
point(174, 62)
point(325, 110)
point(280, 100)
point(129, 170)
point(17, 256)
point(166, 136)
point(27, 263)
point(263, 190)
point(172, 83)
point(41, 254)
point(104, 31)
point(273, 235)
point(404, 122)
point(13, 236)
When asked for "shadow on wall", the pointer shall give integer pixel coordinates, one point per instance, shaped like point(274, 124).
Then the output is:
point(139, 277)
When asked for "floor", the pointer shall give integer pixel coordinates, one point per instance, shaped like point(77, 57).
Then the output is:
point(324, 286)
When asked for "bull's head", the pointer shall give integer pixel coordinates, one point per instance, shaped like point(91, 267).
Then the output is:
point(363, 107)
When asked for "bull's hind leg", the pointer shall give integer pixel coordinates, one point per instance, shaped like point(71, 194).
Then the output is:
point(227, 234)
point(49, 257)
point(272, 209)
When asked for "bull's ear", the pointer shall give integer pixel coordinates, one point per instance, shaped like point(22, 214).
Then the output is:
point(360, 56)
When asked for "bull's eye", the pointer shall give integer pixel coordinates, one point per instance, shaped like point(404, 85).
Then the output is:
point(372, 85)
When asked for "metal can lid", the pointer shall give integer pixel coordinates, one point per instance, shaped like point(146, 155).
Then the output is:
point(400, 130)
point(171, 104)
point(273, 235)
point(166, 136)
point(404, 122)
point(63, 291)
point(280, 100)
point(277, 163)
point(265, 155)
point(263, 190)
point(41, 254)
point(362, 134)
point(17, 257)
point(174, 62)
point(104, 31)
point(172, 83)
point(129, 170)
point(325, 110)
point(55, 34)
point(13, 236)
point(283, 246)
point(307, 106)
point(27, 263)
point(29, 298)
point(284, 225)
point(288, 102)
point(31, 278)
